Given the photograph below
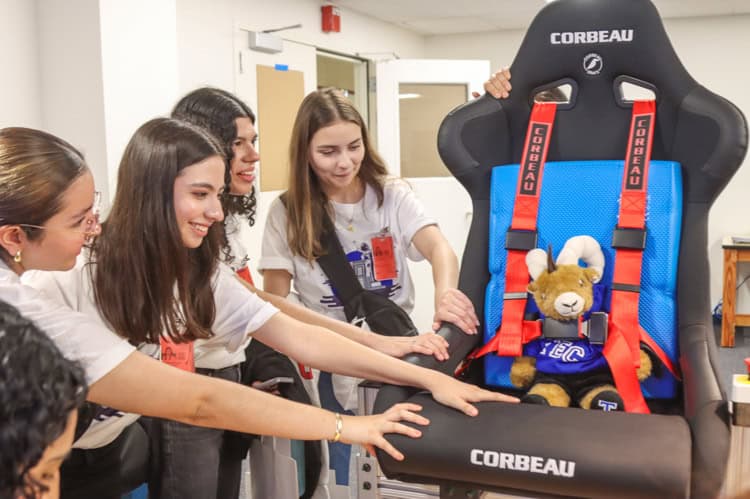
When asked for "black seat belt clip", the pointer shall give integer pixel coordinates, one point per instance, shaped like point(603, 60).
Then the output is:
point(524, 240)
point(629, 238)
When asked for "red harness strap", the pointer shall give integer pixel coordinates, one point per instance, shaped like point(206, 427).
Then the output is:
point(521, 237)
point(622, 349)
point(625, 333)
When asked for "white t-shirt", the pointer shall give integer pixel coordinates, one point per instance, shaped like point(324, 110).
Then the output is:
point(79, 337)
point(238, 313)
point(401, 216)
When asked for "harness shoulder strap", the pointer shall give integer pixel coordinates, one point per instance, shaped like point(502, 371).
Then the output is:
point(522, 235)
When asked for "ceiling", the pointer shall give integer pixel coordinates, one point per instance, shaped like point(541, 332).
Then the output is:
point(432, 17)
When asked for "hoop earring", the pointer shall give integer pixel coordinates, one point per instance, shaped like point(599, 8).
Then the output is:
point(17, 257)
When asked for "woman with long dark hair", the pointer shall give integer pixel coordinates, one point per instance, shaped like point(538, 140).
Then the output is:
point(153, 277)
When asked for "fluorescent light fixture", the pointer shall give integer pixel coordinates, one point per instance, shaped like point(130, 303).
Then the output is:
point(409, 96)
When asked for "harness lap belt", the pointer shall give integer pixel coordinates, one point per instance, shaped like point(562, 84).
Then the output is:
point(622, 348)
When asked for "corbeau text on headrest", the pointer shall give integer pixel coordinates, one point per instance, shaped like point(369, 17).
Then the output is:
point(591, 37)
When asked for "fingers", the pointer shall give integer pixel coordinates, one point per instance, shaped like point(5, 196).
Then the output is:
point(406, 411)
point(499, 84)
point(455, 307)
point(388, 448)
point(406, 415)
point(431, 344)
point(482, 395)
point(469, 409)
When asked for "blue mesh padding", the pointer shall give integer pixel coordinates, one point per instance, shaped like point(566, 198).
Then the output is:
point(582, 197)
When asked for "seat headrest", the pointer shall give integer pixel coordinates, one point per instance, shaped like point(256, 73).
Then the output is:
point(595, 41)
point(594, 44)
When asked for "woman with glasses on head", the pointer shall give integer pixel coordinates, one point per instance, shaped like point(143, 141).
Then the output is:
point(153, 278)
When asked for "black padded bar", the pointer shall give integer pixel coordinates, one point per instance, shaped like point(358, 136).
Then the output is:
point(629, 238)
point(515, 446)
point(524, 240)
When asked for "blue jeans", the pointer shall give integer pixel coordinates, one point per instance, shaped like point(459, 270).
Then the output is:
point(339, 453)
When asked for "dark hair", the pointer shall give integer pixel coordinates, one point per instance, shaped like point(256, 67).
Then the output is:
point(38, 390)
point(146, 282)
point(36, 169)
point(305, 200)
point(215, 110)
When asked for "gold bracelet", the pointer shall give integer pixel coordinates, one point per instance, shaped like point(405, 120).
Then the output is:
point(339, 427)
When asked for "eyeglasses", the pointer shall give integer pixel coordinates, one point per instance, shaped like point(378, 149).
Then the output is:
point(89, 227)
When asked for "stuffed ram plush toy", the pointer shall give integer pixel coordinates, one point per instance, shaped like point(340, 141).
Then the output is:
point(566, 366)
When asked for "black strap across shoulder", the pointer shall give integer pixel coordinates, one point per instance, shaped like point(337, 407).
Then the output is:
point(381, 314)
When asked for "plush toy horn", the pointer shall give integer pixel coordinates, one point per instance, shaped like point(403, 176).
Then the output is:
point(585, 248)
point(551, 267)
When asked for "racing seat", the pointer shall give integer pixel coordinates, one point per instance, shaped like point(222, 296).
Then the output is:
point(681, 448)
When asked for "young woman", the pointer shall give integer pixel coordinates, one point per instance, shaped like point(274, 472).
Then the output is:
point(232, 122)
point(153, 278)
point(40, 392)
point(334, 171)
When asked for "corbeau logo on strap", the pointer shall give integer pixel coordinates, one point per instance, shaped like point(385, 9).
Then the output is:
point(638, 153)
point(522, 462)
point(530, 173)
point(591, 37)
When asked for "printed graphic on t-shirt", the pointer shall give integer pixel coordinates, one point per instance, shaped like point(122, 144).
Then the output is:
point(103, 412)
point(362, 263)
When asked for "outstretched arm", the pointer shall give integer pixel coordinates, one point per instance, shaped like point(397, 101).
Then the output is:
point(145, 386)
point(323, 349)
point(277, 284)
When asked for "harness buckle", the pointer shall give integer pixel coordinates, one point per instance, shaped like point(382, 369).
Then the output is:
point(516, 239)
point(629, 238)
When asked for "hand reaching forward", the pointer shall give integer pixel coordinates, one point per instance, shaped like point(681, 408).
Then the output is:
point(427, 344)
point(459, 395)
point(368, 431)
point(455, 307)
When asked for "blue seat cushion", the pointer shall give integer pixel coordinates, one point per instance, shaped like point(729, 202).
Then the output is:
point(582, 197)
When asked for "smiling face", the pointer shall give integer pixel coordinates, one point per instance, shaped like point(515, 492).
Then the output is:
point(65, 233)
point(47, 470)
point(197, 202)
point(245, 157)
point(336, 153)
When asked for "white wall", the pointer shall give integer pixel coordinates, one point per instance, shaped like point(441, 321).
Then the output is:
point(210, 41)
point(714, 50)
point(139, 68)
point(209, 36)
point(72, 93)
point(19, 83)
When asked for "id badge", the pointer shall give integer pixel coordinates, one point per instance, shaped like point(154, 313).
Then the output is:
point(383, 258)
point(179, 355)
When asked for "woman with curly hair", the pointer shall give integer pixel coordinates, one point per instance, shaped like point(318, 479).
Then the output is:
point(40, 392)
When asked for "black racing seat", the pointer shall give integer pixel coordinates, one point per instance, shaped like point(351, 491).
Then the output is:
point(681, 449)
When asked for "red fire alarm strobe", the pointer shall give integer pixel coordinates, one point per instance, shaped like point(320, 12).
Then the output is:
point(331, 19)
